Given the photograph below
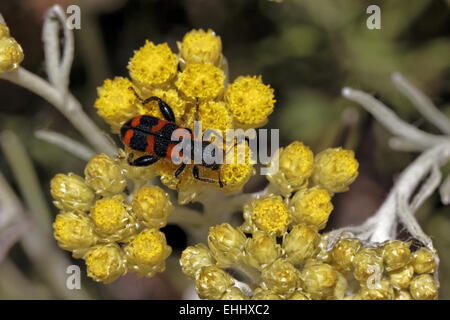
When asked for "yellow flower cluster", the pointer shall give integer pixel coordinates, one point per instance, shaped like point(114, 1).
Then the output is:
point(295, 167)
point(193, 83)
point(11, 53)
point(112, 231)
point(280, 249)
point(298, 267)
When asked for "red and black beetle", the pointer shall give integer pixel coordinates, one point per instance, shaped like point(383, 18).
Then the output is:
point(154, 137)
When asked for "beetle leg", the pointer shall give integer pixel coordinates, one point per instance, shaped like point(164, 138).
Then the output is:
point(196, 109)
point(143, 161)
point(220, 181)
point(165, 109)
point(180, 170)
point(197, 176)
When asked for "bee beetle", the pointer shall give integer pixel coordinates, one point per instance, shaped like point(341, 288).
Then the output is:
point(154, 137)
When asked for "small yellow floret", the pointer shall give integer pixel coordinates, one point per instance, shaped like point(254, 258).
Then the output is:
point(116, 103)
point(335, 169)
point(300, 244)
point(213, 115)
point(212, 283)
point(235, 176)
point(201, 46)
point(291, 167)
point(11, 54)
point(147, 252)
point(194, 258)
point(226, 244)
point(201, 80)
point(250, 101)
point(296, 161)
point(321, 281)
point(238, 167)
point(105, 263)
point(71, 192)
point(153, 66)
point(4, 31)
point(104, 175)
point(74, 232)
point(111, 216)
point(152, 205)
point(424, 261)
point(424, 287)
point(312, 206)
point(261, 250)
point(268, 214)
point(281, 277)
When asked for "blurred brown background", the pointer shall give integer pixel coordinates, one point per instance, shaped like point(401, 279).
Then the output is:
point(306, 49)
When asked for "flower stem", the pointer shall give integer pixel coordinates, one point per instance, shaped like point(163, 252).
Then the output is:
point(69, 106)
point(27, 179)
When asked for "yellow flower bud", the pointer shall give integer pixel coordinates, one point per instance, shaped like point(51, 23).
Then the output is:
point(300, 244)
point(312, 207)
point(268, 214)
point(400, 278)
point(424, 261)
point(201, 46)
point(324, 255)
point(153, 66)
point(116, 103)
point(250, 101)
point(194, 258)
point(261, 250)
point(237, 169)
point(299, 295)
point(381, 291)
point(213, 115)
point(212, 283)
point(264, 294)
point(344, 252)
point(403, 295)
point(4, 31)
point(147, 251)
point(11, 54)
point(235, 176)
point(74, 232)
point(321, 281)
point(105, 263)
point(281, 277)
point(295, 165)
point(71, 193)
point(226, 244)
point(395, 254)
point(234, 294)
point(335, 169)
point(104, 175)
point(152, 205)
point(423, 287)
point(366, 263)
point(112, 218)
point(296, 161)
point(201, 80)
